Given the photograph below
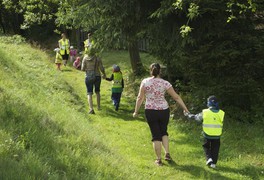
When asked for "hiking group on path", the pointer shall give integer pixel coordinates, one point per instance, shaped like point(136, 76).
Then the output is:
point(152, 90)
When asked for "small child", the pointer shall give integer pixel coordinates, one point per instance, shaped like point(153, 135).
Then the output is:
point(77, 63)
point(73, 53)
point(58, 59)
point(118, 85)
point(212, 118)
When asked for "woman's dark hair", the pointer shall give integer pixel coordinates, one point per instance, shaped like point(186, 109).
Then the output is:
point(155, 69)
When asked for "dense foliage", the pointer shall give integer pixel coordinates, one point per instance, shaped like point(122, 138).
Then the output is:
point(214, 53)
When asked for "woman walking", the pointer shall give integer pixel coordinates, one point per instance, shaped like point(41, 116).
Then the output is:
point(93, 66)
point(157, 109)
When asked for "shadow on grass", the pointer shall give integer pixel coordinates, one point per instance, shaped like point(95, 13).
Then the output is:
point(251, 172)
point(197, 171)
point(66, 70)
point(123, 113)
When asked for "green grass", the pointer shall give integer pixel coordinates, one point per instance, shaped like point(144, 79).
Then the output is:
point(46, 133)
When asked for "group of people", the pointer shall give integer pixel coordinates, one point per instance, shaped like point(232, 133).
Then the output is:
point(157, 113)
point(152, 90)
point(64, 52)
point(94, 69)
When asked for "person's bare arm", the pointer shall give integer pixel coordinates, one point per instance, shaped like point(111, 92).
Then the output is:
point(178, 99)
point(83, 67)
point(140, 99)
point(101, 67)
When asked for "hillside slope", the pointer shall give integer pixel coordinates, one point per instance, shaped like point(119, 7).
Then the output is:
point(46, 133)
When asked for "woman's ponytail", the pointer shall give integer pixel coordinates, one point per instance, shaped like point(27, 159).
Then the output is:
point(155, 69)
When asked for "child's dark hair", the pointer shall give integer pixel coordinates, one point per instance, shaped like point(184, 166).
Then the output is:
point(116, 68)
point(155, 69)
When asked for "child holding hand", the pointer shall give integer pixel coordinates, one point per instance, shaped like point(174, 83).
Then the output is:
point(212, 119)
point(118, 85)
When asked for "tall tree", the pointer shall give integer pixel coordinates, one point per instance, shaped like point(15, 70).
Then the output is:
point(113, 21)
point(217, 48)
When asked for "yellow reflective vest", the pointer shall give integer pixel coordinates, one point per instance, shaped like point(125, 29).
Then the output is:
point(87, 44)
point(213, 122)
point(117, 80)
point(64, 45)
point(58, 58)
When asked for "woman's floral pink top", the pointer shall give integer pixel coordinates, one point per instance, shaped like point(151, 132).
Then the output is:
point(155, 89)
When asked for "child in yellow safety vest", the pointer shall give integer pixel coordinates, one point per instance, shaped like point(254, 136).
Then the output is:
point(212, 119)
point(58, 58)
point(118, 85)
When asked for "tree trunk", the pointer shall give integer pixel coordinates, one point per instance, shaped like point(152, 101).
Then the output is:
point(135, 60)
point(1, 22)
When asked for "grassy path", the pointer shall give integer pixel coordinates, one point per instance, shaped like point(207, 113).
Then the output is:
point(46, 133)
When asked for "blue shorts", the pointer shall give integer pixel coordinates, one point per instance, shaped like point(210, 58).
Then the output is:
point(96, 85)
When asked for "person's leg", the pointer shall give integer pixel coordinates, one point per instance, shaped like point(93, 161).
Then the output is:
point(215, 149)
point(164, 117)
point(152, 119)
point(65, 58)
point(64, 62)
point(118, 97)
point(114, 99)
point(90, 101)
point(97, 85)
point(157, 148)
point(165, 143)
point(207, 151)
point(98, 100)
point(89, 88)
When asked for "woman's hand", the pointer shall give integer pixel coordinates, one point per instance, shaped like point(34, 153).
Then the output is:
point(186, 112)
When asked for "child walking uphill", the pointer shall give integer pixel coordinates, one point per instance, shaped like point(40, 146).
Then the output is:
point(118, 85)
point(212, 118)
point(58, 59)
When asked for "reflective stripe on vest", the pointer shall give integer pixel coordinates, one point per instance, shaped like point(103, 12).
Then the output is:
point(117, 80)
point(213, 122)
point(64, 46)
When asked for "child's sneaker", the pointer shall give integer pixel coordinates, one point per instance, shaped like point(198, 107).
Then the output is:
point(209, 162)
point(213, 166)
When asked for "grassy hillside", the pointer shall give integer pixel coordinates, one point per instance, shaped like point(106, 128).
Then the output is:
point(46, 133)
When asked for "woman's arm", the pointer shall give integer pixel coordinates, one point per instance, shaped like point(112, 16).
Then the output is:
point(140, 98)
point(83, 67)
point(178, 99)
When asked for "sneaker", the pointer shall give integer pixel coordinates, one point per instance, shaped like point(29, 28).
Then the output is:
point(168, 157)
point(209, 162)
point(91, 112)
point(213, 166)
point(158, 162)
